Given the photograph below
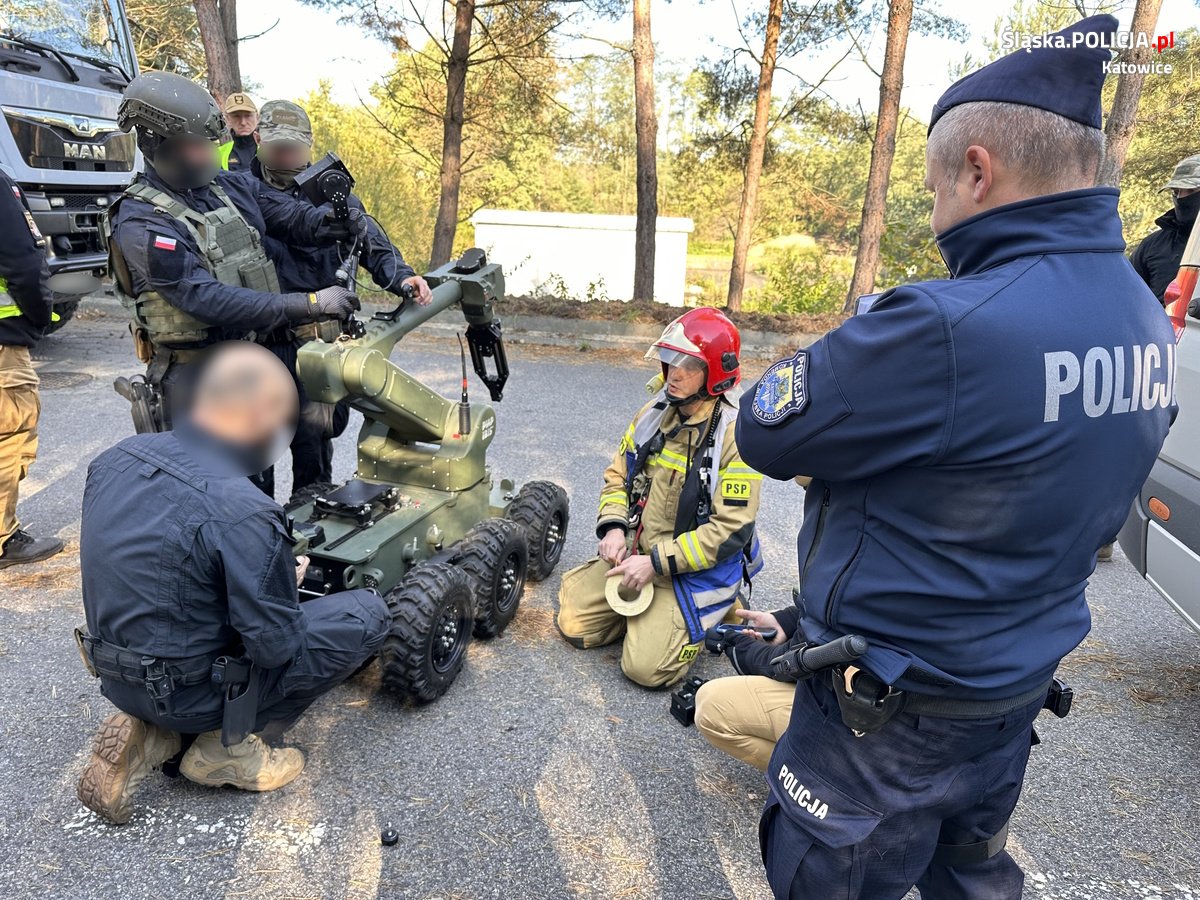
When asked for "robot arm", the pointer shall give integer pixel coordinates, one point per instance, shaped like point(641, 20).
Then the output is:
point(359, 369)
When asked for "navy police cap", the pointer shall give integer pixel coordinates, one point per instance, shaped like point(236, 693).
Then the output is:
point(1064, 74)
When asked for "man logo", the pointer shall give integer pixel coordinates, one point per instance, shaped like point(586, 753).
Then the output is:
point(83, 151)
point(83, 125)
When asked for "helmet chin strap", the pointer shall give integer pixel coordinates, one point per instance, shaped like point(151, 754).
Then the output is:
point(684, 401)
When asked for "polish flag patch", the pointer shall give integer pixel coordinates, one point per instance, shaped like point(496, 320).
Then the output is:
point(164, 243)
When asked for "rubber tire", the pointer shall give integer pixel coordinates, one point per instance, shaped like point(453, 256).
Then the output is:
point(482, 552)
point(308, 494)
point(418, 604)
point(66, 312)
point(539, 507)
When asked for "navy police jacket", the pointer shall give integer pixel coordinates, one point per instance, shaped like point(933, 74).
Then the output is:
point(310, 268)
point(973, 442)
point(174, 269)
point(23, 269)
point(182, 556)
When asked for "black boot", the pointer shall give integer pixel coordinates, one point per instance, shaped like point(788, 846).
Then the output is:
point(25, 548)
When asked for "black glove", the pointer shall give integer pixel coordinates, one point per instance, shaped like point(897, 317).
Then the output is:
point(750, 656)
point(334, 229)
point(333, 302)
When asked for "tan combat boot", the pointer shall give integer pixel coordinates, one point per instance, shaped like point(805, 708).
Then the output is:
point(250, 765)
point(124, 751)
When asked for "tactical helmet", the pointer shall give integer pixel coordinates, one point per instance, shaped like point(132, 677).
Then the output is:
point(707, 335)
point(166, 105)
point(163, 106)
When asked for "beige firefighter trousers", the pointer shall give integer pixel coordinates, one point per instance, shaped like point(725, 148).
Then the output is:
point(19, 409)
point(745, 715)
point(656, 652)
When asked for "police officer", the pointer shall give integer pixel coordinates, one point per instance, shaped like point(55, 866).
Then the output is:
point(744, 715)
point(676, 518)
point(1157, 257)
point(236, 154)
point(185, 241)
point(284, 151)
point(24, 314)
point(972, 442)
point(189, 587)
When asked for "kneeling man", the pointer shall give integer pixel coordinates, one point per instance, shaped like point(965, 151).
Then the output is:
point(194, 625)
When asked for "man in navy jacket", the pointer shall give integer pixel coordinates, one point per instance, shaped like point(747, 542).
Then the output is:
point(972, 442)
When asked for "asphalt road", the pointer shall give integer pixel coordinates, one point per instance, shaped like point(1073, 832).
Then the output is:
point(543, 773)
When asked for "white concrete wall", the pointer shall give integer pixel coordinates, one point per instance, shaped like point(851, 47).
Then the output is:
point(590, 254)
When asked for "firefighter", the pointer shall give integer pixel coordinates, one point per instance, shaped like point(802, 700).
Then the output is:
point(677, 510)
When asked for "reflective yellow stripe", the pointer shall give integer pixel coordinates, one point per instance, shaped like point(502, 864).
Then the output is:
point(691, 550)
point(223, 154)
point(12, 310)
point(613, 498)
point(741, 472)
point(738, 476)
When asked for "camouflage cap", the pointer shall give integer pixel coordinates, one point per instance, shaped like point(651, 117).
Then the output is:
point(280, 120)
point(1186, 174)
point(239, 102)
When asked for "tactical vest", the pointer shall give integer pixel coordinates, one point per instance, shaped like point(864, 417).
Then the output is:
point(230, 249)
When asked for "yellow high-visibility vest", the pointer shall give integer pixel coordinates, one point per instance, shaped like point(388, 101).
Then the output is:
point(8, 309)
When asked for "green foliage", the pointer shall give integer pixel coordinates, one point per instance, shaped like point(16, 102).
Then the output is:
point(166, 36)
point(802, 280)
point(1168, 114)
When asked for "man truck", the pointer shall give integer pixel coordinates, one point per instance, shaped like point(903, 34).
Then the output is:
point(63, 65)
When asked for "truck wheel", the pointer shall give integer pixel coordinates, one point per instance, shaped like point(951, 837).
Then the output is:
point(432, 611)
point(496, 555)
point(541, 508)
point(66, 312)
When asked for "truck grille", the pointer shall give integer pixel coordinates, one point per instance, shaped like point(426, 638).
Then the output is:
point(47, 147)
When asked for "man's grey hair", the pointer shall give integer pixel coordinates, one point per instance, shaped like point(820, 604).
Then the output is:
point(1047, 152)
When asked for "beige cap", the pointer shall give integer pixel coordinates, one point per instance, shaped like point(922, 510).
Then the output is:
point(239, 102)
point(624, 601)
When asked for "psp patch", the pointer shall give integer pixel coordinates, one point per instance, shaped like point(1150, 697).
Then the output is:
point(689, 653)
point(783, 390)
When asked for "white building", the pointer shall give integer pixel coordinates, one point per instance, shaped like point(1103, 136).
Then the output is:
point(580, 255)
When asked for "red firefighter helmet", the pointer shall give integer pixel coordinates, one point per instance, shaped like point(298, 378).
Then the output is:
point(707, 335)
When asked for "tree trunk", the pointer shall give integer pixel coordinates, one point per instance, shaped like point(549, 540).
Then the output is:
point(754, 162)
point(220, 53)
point(452, 130)
point(883, 149)
point(647, 150)
point(229, 26)
point(1118, 132)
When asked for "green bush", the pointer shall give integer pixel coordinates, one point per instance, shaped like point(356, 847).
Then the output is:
point(802, 280)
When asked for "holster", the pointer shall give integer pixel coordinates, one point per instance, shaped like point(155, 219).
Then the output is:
point(238, 681)
point(867, 704)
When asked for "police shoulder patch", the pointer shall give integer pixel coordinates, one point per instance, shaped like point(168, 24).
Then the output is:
point(783, 390)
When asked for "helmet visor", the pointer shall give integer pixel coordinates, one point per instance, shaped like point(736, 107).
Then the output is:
point(671, 356)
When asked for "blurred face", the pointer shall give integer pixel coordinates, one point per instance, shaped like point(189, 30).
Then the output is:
point(187, 162)
point(284, 155)
point(247, 398)
point(686, 379)
point(242, 123)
